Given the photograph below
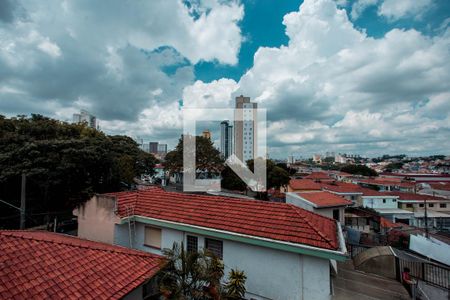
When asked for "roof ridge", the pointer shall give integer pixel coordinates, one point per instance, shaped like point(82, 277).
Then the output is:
point(322, 235)
point(105, 247)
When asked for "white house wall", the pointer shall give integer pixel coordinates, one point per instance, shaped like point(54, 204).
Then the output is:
point(271, 274)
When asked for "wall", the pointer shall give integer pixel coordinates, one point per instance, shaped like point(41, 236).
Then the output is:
point(96, 219)
point(271, 274)
point(377, 202)
point(326, 212)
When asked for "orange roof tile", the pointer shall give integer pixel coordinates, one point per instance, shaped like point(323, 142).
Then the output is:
point(46, 265)
point(276, 221)
point(324, 199)
point(304, 184)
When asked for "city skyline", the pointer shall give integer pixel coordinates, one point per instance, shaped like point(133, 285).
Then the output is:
point(375, 90)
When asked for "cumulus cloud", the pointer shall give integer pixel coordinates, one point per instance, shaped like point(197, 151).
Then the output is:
point(398, 9)
point(334, 88)
point(359, 6)
point(127, 64)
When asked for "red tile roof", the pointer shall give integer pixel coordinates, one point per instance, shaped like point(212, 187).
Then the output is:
point(324, 199)
point(46, 265)
point(342, 187)
point(445, 186)
point(318, 176)
point(304, 185)
point(412, 196)
point(388, 181)
point(388, 224)
point(276, 221)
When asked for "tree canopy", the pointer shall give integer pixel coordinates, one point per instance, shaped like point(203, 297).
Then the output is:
point(65, 164)
point(207, 158)
point(359, 170)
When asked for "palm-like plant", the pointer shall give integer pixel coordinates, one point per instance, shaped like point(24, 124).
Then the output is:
point(235, 287)
point(190, 275)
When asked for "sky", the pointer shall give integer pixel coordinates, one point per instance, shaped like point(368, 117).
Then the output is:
point(367, 77)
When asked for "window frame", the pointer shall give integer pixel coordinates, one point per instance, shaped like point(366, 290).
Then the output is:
point(187, 243)
point(208, 240)
point(160, 237)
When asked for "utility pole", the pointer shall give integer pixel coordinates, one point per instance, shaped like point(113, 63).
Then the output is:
point(23, 201)
point(426, 218)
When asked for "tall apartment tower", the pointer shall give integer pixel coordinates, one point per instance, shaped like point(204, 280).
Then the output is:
point(245, 122)
point(85, 116)
point(226, 139)
point(153, 147)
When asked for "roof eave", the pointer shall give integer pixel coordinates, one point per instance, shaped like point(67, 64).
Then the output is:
point(339, 255)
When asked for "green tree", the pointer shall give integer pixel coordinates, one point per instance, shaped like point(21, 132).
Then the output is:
point(276, 176)
point(235, 287)
point(65, 164)
point(207, 158)
point(359, 170)
point(231, 181)
point(190, 274)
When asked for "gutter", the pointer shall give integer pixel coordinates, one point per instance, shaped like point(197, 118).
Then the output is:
point(339, 255)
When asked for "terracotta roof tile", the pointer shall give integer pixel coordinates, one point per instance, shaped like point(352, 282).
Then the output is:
point(41, 265)
point(324, 199)
point(304, 184)
point(277, 221)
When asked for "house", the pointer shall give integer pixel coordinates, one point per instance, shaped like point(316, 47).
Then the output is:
point(388, 184)
point(285, 251)
point(321, 202)
point(46, 265)
point(349, 191)
point(319, 177)
point(438, 209)
point(301, 185)
point(435, 189)
point(386, 205)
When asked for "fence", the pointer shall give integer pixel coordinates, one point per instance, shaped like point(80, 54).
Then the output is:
point(428, 272)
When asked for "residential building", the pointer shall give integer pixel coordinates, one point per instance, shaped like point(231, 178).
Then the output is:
point(226, 139)
point(321, 202)
point(162, 150)
point(441, 188)
point(153, 147)
point(302, 185)
point(85, 117)
point(284, 250)
point(245, 129)
point(319, 177)
point(349, 191)
point(47, 265)
point(317, 158)
point(291, 160)
point(386, 205)
point(388, 184)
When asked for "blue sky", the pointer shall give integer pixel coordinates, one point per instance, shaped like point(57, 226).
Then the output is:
point(363, 76)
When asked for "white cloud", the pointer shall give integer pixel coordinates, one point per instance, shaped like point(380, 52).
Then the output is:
point(398, 9)
point(334, 88)
point(359, 6)
point(50, 48)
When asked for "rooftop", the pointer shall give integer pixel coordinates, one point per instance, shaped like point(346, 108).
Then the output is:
point(318, 176)
point(276, 221)
point(416, 197)
point(47, 265)
point(324, 199)
point(304, 184)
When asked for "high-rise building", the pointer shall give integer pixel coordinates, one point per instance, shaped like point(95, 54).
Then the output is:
point(206, 134)
point(162, 150)
point(245, 133)
point(226, 139)
point(291, 159)
point(85, 116)
point(154, 147)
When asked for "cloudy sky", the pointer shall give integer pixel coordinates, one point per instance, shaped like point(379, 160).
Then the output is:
point(364, 76)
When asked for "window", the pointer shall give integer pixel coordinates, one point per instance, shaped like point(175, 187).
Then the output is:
point(152, 237)
point(336, 214)
point(192, 243)
point(215, 246)
point(409, 205)
point(384, 200)
point(421, 205)
point(430, 205)
point(394, 200)
point(443, 205)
